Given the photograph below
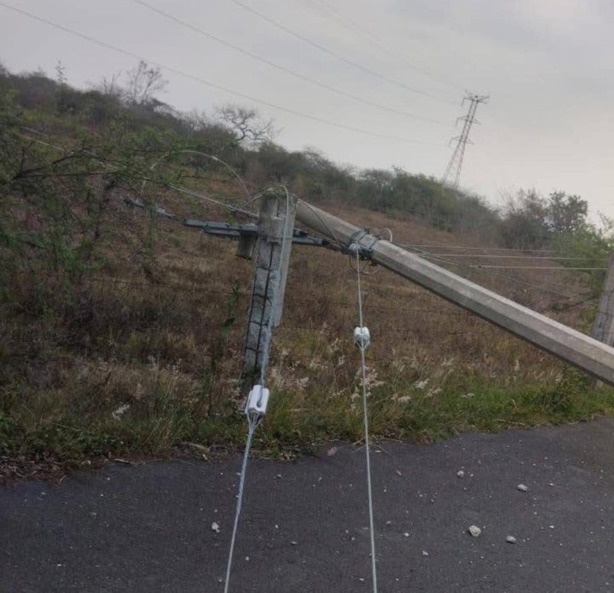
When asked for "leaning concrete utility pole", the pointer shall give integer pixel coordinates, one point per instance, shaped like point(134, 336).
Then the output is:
point(271, 261)
point(572, 346)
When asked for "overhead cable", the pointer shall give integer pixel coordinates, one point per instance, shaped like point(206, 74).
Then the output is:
point(288, 71)
point(443, 246)
point(528, 257)
point(330, 52)
point(506, 276)
point(362, 339)
point(182, 190)
point(554, 268)
point(215, 85)
point(352, 26)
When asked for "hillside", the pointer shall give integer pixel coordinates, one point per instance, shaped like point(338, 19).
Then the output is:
point(122, 330)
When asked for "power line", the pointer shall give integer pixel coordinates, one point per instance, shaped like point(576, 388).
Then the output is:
point(506, 276)
point(212, 84)
point(362, 340)
point(334, 54)
point(441, 257)
point(442, 246)
point(288, 70)
point(233, 209)
point(556, 268)
point(528, 257)
point(423, 254)
point(352, 26)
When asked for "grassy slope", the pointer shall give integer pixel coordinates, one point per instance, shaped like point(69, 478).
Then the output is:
point(144, 359)
point(141, 364)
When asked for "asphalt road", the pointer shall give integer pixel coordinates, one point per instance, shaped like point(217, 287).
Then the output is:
point(148, 528)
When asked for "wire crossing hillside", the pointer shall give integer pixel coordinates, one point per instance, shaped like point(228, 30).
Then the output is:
point(570, 345)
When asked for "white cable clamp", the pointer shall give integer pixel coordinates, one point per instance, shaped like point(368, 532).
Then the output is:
point(362, 338)
point(257, 402)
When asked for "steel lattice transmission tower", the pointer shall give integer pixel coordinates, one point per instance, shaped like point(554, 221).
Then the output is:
point(453, 170)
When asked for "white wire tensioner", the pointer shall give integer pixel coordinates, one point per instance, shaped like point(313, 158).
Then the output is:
point(362, 337)
point(257, 402)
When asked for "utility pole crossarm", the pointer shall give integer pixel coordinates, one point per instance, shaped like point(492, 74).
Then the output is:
point(230, 230)
point(572, 346)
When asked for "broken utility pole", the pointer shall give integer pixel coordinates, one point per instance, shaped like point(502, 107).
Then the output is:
point(574, 347)
point(271, 261)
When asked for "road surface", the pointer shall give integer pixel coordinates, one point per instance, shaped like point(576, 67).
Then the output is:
point(148, 528)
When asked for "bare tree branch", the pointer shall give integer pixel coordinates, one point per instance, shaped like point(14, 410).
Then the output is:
point(144, 83)
point(247, 125)
point(110, 86)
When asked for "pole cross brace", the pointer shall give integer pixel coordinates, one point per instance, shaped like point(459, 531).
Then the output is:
point(235, 231)
point(246, 232)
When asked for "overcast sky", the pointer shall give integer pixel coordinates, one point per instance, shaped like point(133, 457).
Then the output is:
point(548, 66)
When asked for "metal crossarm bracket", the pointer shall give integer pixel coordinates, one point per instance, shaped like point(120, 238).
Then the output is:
point(234, 231)
point(222, 229)
point(159, 211)
point(364, 251)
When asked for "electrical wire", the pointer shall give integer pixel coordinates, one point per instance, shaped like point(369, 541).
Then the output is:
point(330, 52)
point(208, 156)
point(216, 86)
point(233, 209)
point(288, 70)
point(513, 279)
point(437, 258)
point(331, 233)
point(365, 410)
point(443, 257)
point(252, 425)
point(442, 246)
point(528, 257)
point(352, 26)
point(554, 268)
point(195, 194)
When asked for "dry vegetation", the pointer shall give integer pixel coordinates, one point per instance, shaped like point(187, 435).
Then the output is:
point(139, 352)
point(143, 363)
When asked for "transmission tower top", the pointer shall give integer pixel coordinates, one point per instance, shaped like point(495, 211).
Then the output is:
point(453, 170)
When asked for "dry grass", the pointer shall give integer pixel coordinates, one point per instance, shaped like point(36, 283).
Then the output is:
point(146, 353)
